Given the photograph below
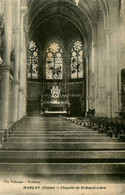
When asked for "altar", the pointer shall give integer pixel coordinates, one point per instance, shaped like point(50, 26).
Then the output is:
point(55, 102)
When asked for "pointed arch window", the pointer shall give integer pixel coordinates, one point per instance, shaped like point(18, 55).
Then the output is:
point(77, 60)
point(32, 65)
point(54, 62)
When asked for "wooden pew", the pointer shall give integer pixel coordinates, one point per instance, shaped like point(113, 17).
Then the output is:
point(113, 127)
point(122, 131)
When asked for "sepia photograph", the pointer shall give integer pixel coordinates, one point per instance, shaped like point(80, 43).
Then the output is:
point(62, 97)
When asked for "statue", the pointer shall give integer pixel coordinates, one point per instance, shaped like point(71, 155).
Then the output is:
point(55, 93)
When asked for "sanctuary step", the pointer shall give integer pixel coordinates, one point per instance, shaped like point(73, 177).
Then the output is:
point(63, 145)
point(66, 139)
point(50, 145)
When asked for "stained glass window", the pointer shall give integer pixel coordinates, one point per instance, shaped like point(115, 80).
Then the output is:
point(32, 65)
point(54, 62)
point(77, 61)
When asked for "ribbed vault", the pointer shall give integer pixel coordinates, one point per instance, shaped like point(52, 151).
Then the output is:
point(47, 17)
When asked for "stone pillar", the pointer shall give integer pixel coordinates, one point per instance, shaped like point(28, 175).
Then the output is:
point(6, 64)
point(101, 93)
point(99, 80)
point(25, 66)
point(113, 53)
point(87, 84)
point(114, 71)
point(104, 81)
point(95, 79)
point(4, 97)
point(99, 67)
point(108, 77)
point(121, 57)
point(20, 105)
point(17, 55)
point(22, 67)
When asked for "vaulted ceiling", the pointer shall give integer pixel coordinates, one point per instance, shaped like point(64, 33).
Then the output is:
point(62, 18)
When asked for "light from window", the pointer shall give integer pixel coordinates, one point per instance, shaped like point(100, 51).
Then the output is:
point(54, 62)
point(32, 65)
point(77, 61)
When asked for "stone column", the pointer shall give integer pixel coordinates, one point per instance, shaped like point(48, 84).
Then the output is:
point(6, 65)
point(20, 105)
point(4, 97)
point(17, 55)
point(101, 80)
point(113, 53)
point(108, 76)
point(25, 66)
point(22, 67)
point(96, 77)
point(87, 84)
point(99, 71)
point(95, 74)
point(121, 57)
point(112, 69)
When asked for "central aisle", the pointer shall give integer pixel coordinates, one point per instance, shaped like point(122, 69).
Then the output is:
point(53, 146)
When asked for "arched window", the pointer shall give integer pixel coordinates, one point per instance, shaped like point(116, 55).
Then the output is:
point(54, 62)
point(77, 61)
point(32, 65)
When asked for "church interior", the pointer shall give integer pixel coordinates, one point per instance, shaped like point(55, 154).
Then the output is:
point(62, 87)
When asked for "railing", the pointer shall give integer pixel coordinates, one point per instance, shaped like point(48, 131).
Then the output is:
point(7, 132)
